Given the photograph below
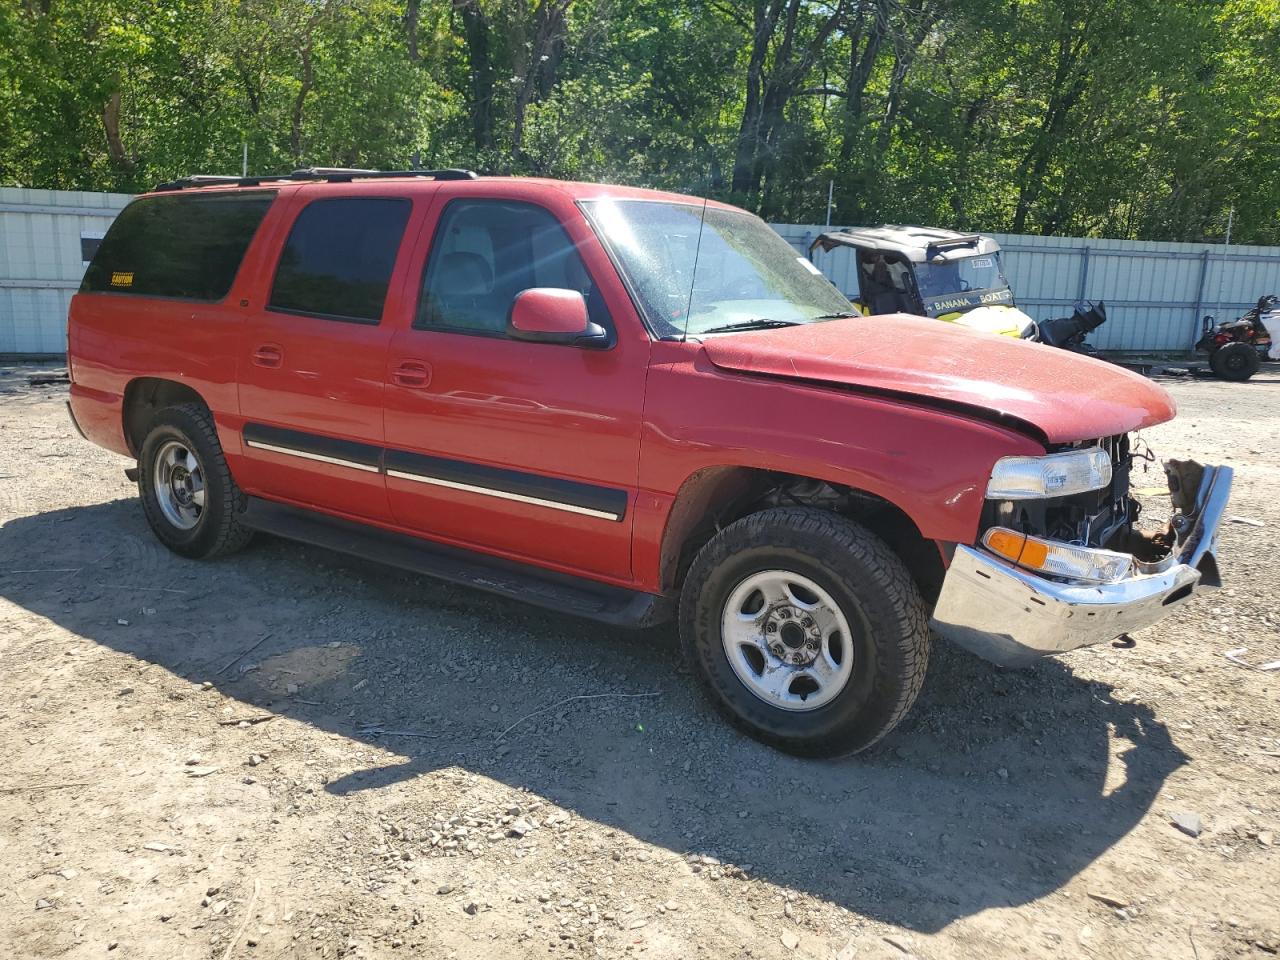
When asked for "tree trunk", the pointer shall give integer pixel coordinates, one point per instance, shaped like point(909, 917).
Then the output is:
point(959, 189)
point(538, 75)
point(746, 172)
point(862, 61)
point(906, 45)
point(1070, 80)
point(475, 27)
point(412, 11)
point(299, 102)
point(111, 125)
point(1032, 169)
point(768, 91)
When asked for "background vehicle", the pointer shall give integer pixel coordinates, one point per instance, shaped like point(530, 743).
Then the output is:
point(627, 405)
point(931, 272)
point(1236, 348)
point(1069, 332)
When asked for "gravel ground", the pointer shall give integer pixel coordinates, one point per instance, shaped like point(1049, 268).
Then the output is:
point(295, 754)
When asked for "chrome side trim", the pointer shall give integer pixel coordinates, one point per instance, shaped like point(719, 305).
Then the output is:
point(305, 455)
point(504, 495)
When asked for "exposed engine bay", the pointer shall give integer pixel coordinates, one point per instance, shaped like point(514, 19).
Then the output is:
point(1106, 518)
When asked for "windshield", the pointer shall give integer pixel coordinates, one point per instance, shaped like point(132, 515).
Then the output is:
point(746, 273)
point(963, 283)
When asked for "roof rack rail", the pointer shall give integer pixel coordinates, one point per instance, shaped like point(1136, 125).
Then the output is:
point(327, 174)
point(966, 240)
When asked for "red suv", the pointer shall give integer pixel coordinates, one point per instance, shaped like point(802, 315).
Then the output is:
point(632, 406)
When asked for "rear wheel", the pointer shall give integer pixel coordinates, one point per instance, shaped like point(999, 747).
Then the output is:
point(1235, 361)
point(188, 494)
point(806, 630)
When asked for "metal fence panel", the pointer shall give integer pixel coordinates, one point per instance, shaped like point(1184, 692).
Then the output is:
point(1156, 292)
point(42, 233)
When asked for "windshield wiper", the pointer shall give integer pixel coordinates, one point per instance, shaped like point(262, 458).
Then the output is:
point(760, 323)
point(837, 316)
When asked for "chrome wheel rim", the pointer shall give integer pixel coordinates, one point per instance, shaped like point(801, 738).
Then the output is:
point(179, 484)
point(787, 640)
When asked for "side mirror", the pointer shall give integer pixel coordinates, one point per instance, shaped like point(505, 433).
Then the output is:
point(553, 315)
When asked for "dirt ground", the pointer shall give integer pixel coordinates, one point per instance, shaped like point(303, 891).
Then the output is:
point(294, 754)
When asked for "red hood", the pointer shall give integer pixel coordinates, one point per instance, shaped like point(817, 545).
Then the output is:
point(1064, 395)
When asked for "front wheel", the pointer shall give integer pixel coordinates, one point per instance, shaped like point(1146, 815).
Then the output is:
point(188, 494)
point(806, 630)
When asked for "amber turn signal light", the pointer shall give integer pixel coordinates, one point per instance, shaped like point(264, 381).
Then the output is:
point(1058, 559)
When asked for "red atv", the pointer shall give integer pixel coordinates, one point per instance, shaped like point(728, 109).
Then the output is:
point(1237, 348)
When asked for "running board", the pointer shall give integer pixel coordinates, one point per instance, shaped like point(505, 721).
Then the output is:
point(544, 588)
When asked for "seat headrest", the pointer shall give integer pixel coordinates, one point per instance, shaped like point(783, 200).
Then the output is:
point(464, 274)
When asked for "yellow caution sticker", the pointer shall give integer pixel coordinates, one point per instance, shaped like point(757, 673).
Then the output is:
point(121, 279)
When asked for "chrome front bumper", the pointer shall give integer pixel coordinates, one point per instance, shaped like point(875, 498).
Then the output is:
point(1011, 616)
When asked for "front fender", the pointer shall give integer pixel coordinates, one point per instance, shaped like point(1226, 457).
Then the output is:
point(931, 464)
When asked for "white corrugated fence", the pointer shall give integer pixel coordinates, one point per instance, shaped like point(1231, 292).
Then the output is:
point(45, 236)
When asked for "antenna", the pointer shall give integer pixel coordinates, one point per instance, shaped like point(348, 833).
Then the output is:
point(693, 278)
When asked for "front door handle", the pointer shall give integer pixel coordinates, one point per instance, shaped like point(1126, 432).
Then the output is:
point(268, 355)
point(411, 373)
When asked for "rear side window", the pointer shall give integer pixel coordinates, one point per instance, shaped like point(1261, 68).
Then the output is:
point(338, 259)
point(188, 247)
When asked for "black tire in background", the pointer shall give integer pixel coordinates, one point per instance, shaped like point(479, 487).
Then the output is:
point(217, 531)
point(1236, 361)
point(874, 592)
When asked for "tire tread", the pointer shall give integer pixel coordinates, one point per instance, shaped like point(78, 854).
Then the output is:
point(835, 538)
point(230, 535)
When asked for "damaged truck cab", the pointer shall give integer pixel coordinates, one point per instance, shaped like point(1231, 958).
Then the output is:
point(631, 406)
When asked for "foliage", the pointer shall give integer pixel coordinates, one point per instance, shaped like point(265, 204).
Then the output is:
point(1129, 118)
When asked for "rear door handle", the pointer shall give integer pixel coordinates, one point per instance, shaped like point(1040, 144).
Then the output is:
point(411, 373)
point(268, 355)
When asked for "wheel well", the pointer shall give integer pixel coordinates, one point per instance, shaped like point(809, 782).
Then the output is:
point(145, 396)
point(714, 498)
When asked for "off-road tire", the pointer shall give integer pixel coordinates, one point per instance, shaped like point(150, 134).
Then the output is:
point(218, 531)
point(1235, 361)
point(874, 591)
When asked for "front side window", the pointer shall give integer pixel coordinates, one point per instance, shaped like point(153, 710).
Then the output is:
point(698, 276)
point(183, 246)
point(338, 260)
point(485, 253)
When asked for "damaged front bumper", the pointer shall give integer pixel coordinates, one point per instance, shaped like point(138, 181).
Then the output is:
point(1011, 616)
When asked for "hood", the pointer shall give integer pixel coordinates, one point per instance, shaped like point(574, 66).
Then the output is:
point(1006, 321)
point(1061, 395)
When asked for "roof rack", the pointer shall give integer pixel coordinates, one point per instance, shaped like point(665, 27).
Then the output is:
point(308, 174)
point(966, 240)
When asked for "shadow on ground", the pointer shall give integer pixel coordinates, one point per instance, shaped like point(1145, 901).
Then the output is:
point(997, 790)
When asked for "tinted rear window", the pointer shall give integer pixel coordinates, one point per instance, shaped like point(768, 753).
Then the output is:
point(187, 247)
point(338, 260)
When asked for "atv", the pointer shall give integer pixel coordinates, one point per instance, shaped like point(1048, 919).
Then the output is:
point(956, 277)
point(1236, 348)
point(931, 272)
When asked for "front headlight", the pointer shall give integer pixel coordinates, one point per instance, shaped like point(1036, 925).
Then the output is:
point(1053, 475)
